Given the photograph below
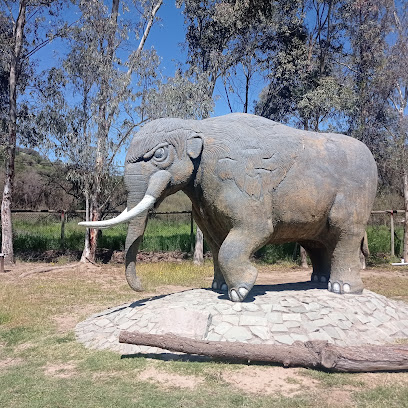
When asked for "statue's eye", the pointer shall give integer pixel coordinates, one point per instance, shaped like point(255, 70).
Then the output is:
point(160, 153)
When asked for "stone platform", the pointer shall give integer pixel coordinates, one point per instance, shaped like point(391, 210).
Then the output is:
point(272, 314)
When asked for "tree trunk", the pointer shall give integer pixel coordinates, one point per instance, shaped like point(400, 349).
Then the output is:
point(303, 258)
point(6, 222)
point(247, 82)
point(91, 237)
point(198, 258)
point(86, 250)
point(406, 216)
point(312, 354)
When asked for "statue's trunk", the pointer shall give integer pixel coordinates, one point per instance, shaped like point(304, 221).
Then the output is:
point(137, 187)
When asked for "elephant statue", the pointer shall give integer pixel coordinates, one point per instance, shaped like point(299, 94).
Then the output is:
point(254, 182)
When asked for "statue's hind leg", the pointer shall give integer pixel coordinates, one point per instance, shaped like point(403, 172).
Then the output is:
point(320, 257)
point(346, 266)
point(347, 227)
point(218, 282)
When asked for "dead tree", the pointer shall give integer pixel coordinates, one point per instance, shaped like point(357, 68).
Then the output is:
point(312, 354)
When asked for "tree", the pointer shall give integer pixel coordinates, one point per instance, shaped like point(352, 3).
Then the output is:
point(5, 34)
point(224, 39)
point(15, 61)
point(101, 71)
point(26, 36)
point(392, 87)
point(307, 88)
point(367, 25)
point(179, 97)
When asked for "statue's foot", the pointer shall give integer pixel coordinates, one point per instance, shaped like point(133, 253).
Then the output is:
point(338, 286)
point(319, 278)
point(239, 294)
point(216, 285)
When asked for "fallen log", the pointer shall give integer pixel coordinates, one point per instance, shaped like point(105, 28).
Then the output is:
point(311, 354)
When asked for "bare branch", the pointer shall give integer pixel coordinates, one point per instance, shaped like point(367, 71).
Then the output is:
point(148, 27)
point(9, 10)
point(345, 65)
point(123, 139)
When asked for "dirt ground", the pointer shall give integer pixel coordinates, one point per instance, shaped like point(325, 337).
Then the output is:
point(250, 379)
point(268, 274)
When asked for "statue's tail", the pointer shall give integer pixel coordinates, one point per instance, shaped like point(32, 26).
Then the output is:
point(364, 245)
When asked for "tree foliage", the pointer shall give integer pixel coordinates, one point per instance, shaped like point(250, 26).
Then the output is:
point(28, 26)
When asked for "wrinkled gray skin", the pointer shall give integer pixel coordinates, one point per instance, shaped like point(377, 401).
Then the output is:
point(254, 182)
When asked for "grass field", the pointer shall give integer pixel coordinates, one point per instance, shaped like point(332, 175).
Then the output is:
point(42, 365)
point(163, 233)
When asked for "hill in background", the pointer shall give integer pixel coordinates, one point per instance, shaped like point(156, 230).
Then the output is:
point(43, 185)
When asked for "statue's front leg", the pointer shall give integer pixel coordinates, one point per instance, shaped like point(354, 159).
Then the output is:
point(234, 261)
point(219, 280)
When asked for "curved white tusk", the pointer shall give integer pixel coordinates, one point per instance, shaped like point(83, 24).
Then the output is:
point(146, 203)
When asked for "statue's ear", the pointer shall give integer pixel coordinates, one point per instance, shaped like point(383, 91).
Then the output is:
point(194, 146)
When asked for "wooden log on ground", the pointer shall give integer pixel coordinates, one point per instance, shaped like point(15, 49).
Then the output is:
point(312, 354)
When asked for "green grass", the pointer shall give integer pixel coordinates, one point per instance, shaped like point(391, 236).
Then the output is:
point(42, 365)
point(43, 234)
point(379, 243)
point(384, 397)
point(40, 233)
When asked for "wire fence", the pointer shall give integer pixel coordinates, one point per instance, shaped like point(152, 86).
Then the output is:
point(40, 231)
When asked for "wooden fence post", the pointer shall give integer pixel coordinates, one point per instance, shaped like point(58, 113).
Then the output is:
point(392, 234)
point(191, 232)
point(62, 238)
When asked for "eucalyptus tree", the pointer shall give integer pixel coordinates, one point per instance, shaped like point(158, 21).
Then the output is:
point(29, 26)
point(180, 96)
point(223, 41)
point(5, 34)
point(307, 86)
point(101, 86)
point(393, 86)
point(367, 26)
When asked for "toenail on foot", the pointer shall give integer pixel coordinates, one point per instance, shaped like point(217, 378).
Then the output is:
point(336, 287)
point(234, 295)
point(323, 279)
point(215, 285)
point(346, 288)
point(224, 286)
point(243, 292)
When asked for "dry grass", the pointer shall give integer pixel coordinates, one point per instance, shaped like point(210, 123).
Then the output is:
point(391, 282)
point(42, 365)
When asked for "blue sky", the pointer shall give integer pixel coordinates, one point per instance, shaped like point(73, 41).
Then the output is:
point(167, 35)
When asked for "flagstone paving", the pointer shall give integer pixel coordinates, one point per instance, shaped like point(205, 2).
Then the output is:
point(275, 314)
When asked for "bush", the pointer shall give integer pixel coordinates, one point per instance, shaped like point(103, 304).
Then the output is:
point(379, 242)
point(275, 253)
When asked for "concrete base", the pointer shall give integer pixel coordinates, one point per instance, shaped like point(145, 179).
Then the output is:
point(275, 314)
